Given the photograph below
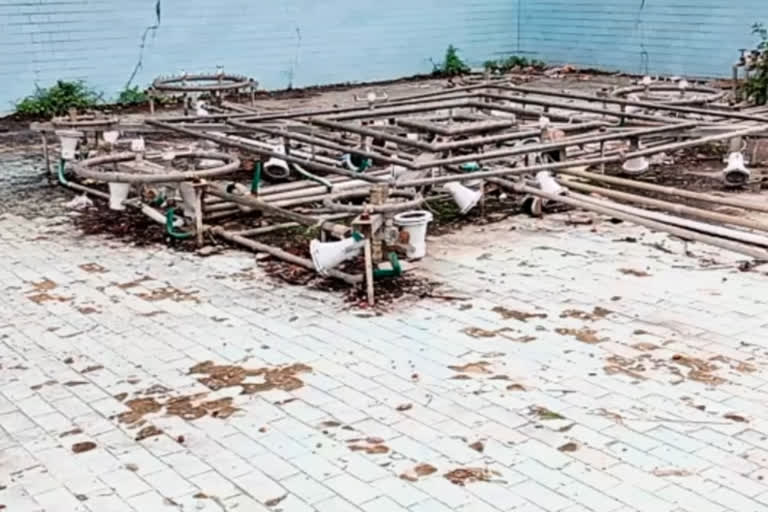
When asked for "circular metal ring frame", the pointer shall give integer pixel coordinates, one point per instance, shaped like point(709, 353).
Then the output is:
point(414, 200)
point(88, 168)
point(706, 94)
point(85, 122)
point(224, 83)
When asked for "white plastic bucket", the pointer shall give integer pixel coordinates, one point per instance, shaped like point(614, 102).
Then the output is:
point(118, 192)
point(414, 223)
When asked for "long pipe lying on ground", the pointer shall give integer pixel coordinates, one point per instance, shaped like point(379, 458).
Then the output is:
point(687, 234)
point(670, 191)
point(701, 227)
point(676, 208)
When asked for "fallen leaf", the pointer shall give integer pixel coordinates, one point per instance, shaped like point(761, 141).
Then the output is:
point(404, 407)
point(275, 501)
point(85, 446)
point(633, 272)
point(478, 446)
point(736, 418)
point(424, 469)
point(478, 367)
point(515, 387)
point(569, 447)
point(521, 316)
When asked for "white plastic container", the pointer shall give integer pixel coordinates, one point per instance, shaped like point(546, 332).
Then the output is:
point(414, 223)
point(118, 192)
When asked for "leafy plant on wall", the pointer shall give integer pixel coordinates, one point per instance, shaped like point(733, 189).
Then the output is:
point(756, 87)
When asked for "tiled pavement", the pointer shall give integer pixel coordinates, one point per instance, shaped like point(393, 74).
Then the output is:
point(594, 368)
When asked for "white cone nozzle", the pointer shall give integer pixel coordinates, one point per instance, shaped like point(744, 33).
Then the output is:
point(111, 136)
point(547, 183)
point(646, 81)
point(69, 140)
point(683, 84)
point(544, 122)
point(137, 145)
point(736, 172)
point(118, 192)
point(277, 168)
point(464, 197)
point(200, 110)
point(329, 255)
point(636, 165)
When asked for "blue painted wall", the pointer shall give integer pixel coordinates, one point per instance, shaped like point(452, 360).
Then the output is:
point(308, 42)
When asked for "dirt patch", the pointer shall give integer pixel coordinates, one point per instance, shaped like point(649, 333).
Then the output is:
point(93, 268)
point(596, 314)
point(419, 471)
point(521, 316)
point(371, 446)
point(634, 272)
point(225, 376)
point(147, 432)
point(464, 476)
point(585, 335)
point(131, 226)
point(480, 367)
point(170, 293)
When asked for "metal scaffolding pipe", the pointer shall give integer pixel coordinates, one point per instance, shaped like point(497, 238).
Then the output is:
point(632, 103)
point(256, 204)
point(720, 231)
point(550, 146)
point(686, 234)
point(322, 143)
point(677, 208)
point(697, 196)
point(226, 141)
point(581, 108)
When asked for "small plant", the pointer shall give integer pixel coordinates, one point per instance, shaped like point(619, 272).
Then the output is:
point(58, 99)
point(132, 96)
point(756, 87)
point(452, 64)
point(502, 66)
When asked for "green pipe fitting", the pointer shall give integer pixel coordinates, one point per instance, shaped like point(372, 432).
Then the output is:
point(60, 172)
point(256, 181)
point(470, 167)
point(170, 216)
point(395, 271)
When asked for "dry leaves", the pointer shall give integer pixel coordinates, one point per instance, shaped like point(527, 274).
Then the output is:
point(224, 376)
point(85, 446)
point(633, 272)
point(463, 476)
point(596, 314)
point(521, 316)
point(584, 334)
point(419, 471)
point(478, 367)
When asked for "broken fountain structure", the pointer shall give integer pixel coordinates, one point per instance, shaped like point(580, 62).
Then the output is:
point(362, 176)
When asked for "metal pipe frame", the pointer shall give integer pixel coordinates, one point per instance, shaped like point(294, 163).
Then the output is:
point(633, 103)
